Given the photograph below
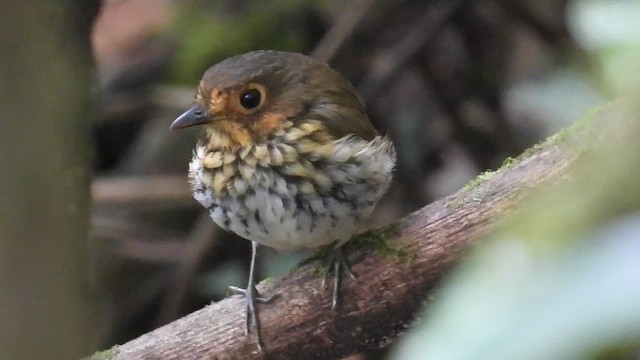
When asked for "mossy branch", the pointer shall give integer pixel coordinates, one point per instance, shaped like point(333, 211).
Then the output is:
point(396, 270)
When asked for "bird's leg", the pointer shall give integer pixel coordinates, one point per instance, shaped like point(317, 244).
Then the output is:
point(252, 298)
point(337, 262)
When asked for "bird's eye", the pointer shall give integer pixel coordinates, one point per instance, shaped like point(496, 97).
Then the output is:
point(250, 99)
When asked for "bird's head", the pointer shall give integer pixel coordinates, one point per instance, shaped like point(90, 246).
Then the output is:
point(252, 97)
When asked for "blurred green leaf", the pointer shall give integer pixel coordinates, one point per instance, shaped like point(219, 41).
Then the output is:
point(508, 304)
point(208, 34)
point(611, 31)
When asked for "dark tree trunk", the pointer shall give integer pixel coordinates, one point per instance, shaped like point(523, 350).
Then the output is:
point(45, 74)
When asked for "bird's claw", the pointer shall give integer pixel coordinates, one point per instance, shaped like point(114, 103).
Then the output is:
point(251, 299)
point(337, 262)
point(240, 291)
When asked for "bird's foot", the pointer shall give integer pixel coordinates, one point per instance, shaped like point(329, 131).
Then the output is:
point(252, 298)
point(337, 262)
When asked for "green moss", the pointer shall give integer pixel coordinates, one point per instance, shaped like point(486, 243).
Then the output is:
point(507, 163)
point(455, 202)
point(372, 240)
point(105, 355)
point(268, 281)
point(378, 241)
point(479, 180)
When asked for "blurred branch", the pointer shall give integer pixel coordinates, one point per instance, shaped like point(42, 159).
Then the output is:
point(173, 97)
point(426, 244)
point(116, 105)
point(147, 250)
point(341, 30)
point(387, 63)
point(558, 38)
point(478, 144)
point(141, 189)
point(202, 238)
point(134, 240)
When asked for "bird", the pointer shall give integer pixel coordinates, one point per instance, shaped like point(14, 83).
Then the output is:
point(287, 157)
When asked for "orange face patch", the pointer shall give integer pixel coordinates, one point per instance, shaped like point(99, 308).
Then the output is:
point(268, 124)
point(273, 121)
point(225, 104)
point(237, 124)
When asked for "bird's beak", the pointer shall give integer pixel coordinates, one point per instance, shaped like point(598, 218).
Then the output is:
point(196, 115)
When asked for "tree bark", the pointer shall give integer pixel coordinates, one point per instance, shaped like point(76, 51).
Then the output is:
point(395, 275)
point(45, 74)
